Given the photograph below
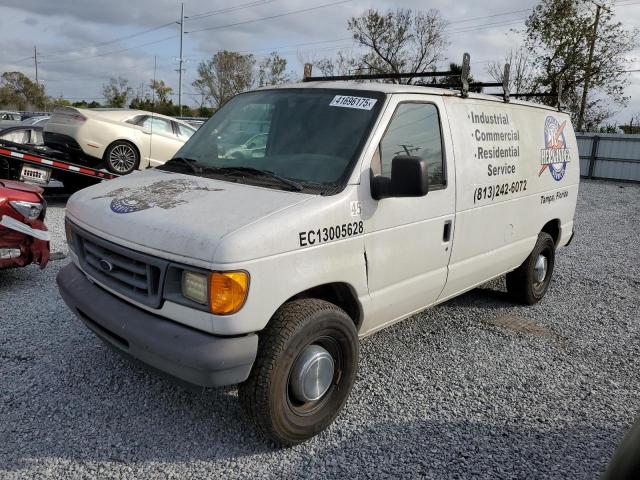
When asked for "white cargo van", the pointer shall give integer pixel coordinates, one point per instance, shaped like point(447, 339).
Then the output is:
point(367, 203)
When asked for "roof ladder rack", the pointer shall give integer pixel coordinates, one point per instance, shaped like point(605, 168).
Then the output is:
point(464, 77)
point(464, 85)
point(505, 83)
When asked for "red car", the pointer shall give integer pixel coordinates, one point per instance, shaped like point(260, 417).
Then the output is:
point(24, 238)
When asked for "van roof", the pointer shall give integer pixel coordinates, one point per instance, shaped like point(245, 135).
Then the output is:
point(390, 88)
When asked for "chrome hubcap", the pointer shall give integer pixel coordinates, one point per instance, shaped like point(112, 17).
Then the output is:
point(540, 270)
point(122, 158)
point(312, 374)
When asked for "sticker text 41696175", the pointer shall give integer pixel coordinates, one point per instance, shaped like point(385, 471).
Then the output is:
point(347, 101)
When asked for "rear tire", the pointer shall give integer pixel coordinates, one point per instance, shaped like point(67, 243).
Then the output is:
point(121, 157)
point(529, 282)
point(271, 396)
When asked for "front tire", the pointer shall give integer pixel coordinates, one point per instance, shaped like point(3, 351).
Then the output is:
point(121, 157)
point(529, 282)
point(305, 368)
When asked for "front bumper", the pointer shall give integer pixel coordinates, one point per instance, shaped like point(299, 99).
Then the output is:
point(31, 250)
point(192, 356)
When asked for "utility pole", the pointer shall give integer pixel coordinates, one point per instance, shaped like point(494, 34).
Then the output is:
point(35, 58)
point(587, 75)
point(180, 67)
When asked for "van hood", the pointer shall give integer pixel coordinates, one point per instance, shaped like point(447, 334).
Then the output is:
point(174, 215)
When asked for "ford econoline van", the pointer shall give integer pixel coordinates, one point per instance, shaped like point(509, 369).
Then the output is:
point(365, 203)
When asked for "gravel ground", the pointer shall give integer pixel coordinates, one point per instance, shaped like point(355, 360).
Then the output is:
point(474, 388)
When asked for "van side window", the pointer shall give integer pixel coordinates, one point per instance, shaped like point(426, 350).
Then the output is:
point(414, 130)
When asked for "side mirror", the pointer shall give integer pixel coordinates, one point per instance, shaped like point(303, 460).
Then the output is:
point(409, 178)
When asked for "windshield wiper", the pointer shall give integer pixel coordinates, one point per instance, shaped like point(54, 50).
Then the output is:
point(250, 171)
point(189, 162)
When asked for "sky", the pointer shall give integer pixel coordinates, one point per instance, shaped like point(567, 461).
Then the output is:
point(81, 43)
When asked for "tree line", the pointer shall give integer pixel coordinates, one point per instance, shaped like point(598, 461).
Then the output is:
point(555, 54)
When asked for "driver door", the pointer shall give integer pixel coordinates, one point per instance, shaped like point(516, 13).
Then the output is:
point(163, 141)
point(408, 240)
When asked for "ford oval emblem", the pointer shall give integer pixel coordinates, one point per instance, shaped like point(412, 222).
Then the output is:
point(106, 266)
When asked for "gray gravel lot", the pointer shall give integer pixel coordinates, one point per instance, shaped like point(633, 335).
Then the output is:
point(474, 388)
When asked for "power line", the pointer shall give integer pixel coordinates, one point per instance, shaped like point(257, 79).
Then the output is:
point(476, 28)
point(491, 16)
point(304, 10)
point(211, 13)
point(282, 47)
point(115, 40)
point(20, 60)
point(112, 52)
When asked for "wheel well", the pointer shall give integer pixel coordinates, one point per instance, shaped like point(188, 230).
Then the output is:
point(340, 294)
point(553, 228)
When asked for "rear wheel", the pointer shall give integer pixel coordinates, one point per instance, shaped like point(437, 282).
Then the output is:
point(121, 157)
point(305, 368)
point(529, 282)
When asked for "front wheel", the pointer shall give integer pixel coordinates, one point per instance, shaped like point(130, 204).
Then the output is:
point(121, 157)
point(305, 368)
point(529, 282)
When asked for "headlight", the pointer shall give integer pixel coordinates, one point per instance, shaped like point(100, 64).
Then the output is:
point(29, 210)
point(228, 291)
point(224, 292)
point(195, 287)
point(68, 231)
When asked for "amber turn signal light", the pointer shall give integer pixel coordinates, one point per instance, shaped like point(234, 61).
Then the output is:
point(228, 291)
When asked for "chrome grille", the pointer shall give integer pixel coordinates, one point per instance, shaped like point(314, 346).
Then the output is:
point(133, 274)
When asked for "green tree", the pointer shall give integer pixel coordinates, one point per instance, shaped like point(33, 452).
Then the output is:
point(59, 102)
point(85, 104)
point(224, 75)
point(342, 64)
point(19, 92)
point(400, 41)
point(633, 127)
point(522, 71)
point(559, 34)
point(116, 92)
point(272, 70)
point(161, 89)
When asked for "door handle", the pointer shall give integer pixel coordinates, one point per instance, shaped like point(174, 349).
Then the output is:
point(446, 234)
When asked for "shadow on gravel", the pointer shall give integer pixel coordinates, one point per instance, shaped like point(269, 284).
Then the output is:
point(116, 411)
point(436, 449)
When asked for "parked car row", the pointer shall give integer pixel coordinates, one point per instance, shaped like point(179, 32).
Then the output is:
point(12, 119)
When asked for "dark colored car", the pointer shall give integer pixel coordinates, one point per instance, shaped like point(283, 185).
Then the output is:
point(24, 238)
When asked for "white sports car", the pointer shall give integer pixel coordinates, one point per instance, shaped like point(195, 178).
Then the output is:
point(124, 139)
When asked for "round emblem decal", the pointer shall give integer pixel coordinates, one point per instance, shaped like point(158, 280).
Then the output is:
point(555, 155)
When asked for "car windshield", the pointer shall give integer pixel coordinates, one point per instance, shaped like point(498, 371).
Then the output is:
point(309, 136)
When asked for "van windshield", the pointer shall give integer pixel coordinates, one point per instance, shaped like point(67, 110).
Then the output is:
point(302, 139)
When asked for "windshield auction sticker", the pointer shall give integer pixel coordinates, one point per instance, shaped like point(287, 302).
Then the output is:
point(360, 103)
